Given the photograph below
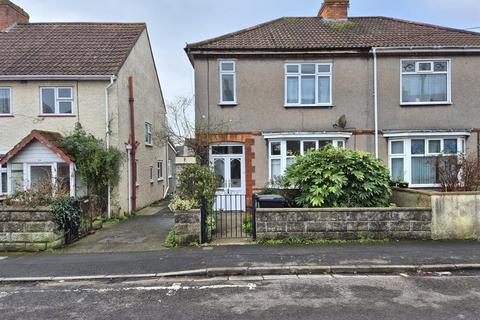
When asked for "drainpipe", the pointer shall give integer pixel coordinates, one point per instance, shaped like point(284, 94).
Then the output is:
point(167, 178)
point(107, 140)
point(128, 147)
point(134, 145)
point(375, 94)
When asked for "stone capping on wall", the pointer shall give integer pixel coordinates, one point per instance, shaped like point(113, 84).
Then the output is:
point(28, 229)
point(455, 215)
point(187, 227)
point(344, 223)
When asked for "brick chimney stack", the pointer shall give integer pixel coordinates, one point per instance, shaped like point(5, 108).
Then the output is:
point(10, 14)
point(334, 9)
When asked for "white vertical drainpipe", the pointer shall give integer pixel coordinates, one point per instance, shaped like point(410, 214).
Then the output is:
point(107, 138)
point(375, 76)
point(167, 178)
point(128, 147)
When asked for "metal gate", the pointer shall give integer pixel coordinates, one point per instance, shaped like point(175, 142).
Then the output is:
point(227, 217)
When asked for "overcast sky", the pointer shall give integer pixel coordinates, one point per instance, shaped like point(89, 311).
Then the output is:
point(172, 23)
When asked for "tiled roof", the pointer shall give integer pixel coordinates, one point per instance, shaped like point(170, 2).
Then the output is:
point(307, 33)
point(67, 48)
point(52, 140)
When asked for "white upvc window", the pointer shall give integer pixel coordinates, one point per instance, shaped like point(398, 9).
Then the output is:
point(3, 180)
point(413, 160)
point(170, 169)
point(228, 82)
point(148, 134)
point(308, 84)
point(159, 170)
point(425, 82)
point(56, 100)
point(282, 153)
point(5, 101)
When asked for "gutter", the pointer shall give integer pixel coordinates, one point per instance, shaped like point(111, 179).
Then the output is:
point(107, 139)
point(426, 49)
point(55, 77)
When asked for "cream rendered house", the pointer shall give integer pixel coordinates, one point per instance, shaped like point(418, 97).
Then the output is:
point(100, 75)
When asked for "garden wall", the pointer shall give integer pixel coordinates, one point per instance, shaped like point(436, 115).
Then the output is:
point(187, 227)
point(28, 230)
point(455, 215)
point(344, 224)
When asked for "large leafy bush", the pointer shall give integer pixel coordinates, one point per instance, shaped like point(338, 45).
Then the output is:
point(195, 182)
point(335, 177)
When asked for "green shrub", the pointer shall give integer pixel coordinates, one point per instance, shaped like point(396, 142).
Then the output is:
point(247, 223)
point(335, 177)
point(178, 204)
point(171, 240)
point(196, 181)
point(67, 214)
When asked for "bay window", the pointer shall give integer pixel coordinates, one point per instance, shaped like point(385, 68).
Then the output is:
point(282, 153)
point(425, 82)
point(413, 160)
point(308, 84)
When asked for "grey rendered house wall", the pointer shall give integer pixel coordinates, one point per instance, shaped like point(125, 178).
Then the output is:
point(260, 96)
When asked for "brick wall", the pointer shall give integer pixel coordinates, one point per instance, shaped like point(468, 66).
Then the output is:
point(28, 230)
point(344, 224)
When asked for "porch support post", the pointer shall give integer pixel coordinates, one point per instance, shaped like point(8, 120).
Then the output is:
point(9, 179)
point(72, 179)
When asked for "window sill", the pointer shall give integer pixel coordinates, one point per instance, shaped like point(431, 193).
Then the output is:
point(57, 116)
point(228, 104)
point(148, 145)
point(320, 106)
point(160, 180)
point(170, 177)
point(425, 104)
point(151, 181)
point(6, 116)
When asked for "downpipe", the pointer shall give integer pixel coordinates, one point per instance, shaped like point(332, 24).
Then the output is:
point(107, 140)
point(375, 94)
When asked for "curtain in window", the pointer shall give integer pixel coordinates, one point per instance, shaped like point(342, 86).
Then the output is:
point(425, 87)
point(276, 167)
point(292, 90)
point(323, 89)
point(398, 169)
point(308, 90)
point(4, 101)
point(227, 86)
point(423, 170)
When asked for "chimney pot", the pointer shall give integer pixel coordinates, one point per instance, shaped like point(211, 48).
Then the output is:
point(10, 14)
point(334, 9)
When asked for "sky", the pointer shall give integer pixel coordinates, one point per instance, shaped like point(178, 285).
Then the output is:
point(173, 23)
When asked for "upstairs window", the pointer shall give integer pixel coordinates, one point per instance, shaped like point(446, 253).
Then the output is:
point(425, 82)
point(308, 84)
point(5, 101)
point(57, 101)
point(159, 170)
point(148, 133)
point(228, 82)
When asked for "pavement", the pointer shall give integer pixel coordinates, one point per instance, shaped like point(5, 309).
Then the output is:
point(147, 231)
point(265, 298)
point(240, 259)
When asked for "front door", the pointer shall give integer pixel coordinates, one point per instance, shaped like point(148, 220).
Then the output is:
point(228, 163)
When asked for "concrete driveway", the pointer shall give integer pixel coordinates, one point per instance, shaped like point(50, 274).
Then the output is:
point(145, 232)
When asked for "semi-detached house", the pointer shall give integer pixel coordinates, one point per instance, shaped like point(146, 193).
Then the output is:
point(100, 75)
point(404, 91)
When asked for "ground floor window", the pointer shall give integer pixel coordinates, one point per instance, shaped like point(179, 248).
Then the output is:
point(3, 180)
point(414, 159)
point(282, 153)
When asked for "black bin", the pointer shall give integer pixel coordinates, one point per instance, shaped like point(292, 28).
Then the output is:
point(271, 201)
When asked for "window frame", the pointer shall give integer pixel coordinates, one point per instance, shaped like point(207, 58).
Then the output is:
point(228, 72)
point(407, 155)
point(317, 75)
point(283, 157)
point(432, 61)
point(10, 102)
point(148, 134)
point(57, 102)
point(159, 170)
point(3, 170)
point(151, 174)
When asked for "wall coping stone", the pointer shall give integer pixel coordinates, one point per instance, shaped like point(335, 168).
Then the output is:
point(24, 209)
point(269, 210)
point(438, 193)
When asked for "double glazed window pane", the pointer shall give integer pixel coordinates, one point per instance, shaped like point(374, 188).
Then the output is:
point(276, 167)
point(276, 149)
point(228, 87)
point(308, 90)
point(323, 89)
point(425, 88)
point(434, 146)
point(293, 148)
point(450, 146)
point(5, 101)
point(292, 89)
point(48, 101)
point(423, 170)
point(398, 169)
point(397, 147)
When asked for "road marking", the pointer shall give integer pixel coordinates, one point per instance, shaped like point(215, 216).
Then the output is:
point(3, 258)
